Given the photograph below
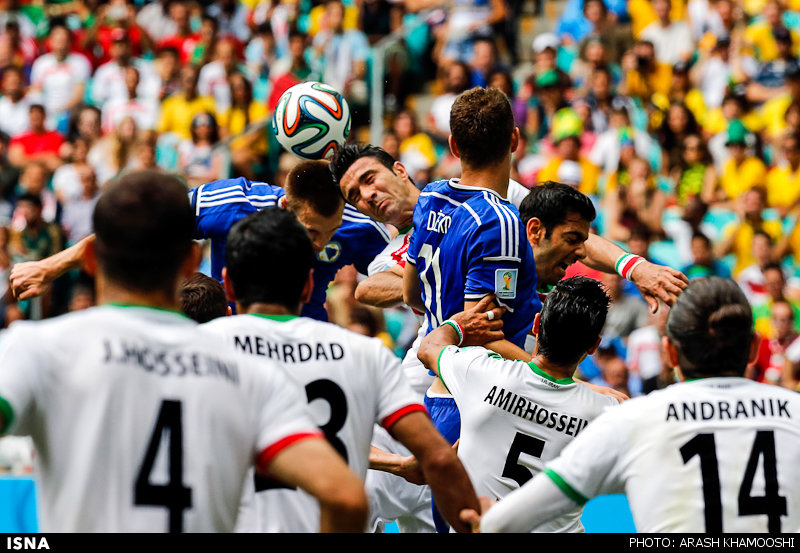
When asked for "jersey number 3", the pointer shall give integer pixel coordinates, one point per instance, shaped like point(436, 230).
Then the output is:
point(771, 503)
point(173, 495)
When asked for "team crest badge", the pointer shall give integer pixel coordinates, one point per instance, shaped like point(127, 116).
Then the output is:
point(505, 283)
point(330, 252)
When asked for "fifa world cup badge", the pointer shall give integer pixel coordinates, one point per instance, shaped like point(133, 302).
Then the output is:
point(505, 283)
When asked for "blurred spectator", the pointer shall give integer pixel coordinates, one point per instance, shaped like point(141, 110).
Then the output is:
point(613, 371)
point(181, 37)
point(113, 153)
point(738, 237)
point(38, 239)
point(214, 76)
point(671, 39)
point(468, 21)
point(547, 99)
point(197, 159)
point(291, 70)
point(260, 56)
point(167, 67)
point(751, 278)
point(626, 313)
point(483, 61)
point(232, 18)
point(775, 292)
point(369, 322)
point(155, 20)
point(760, 34)
point(768, 367)
point(644, 356)
point(249, 149)
point(783, 180)
point(178, 111)
point(67, 179)
point(636, 202)
point(14, 104)
point(209, 34)
point(703, 262)
point(37, 143)
point(77, 214)
point(743, 170)
point(455, 80)
point(9, 174)
point(34, 180)
point(60, 77)
point(608, 150)
point(111, 82)
point(679, 124)
point(694, 175)
point(417, 151)
point(568, 166)
point(143, 110)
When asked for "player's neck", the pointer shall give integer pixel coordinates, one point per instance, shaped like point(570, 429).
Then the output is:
point(111, 293)
point(494, 177)
point(266, 309)
point(556, 371)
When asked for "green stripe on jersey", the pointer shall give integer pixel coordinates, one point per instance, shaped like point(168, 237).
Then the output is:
point(7, 413)
point(568, 490)
point(279, 318)
point(439, 368)
point(540, 372)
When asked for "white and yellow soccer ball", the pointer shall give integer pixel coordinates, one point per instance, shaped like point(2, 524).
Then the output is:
point(311, 120)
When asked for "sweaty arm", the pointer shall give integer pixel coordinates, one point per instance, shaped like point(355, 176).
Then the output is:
point(384, 289)
point(655, 282)
point(314, 466)
point(32, 278)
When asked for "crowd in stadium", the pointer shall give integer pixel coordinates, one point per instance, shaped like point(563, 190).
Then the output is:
point(680, 120)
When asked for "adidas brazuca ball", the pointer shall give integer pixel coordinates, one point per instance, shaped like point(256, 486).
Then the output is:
point(311, 120)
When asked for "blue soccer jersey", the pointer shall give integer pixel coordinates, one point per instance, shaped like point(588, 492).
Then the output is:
point(220, 204)
point(469, 242)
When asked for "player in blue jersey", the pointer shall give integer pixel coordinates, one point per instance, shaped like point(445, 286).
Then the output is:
point(340, 234)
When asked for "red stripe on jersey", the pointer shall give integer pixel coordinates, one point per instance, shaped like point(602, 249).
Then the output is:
point(389, 421)
point(268, 454)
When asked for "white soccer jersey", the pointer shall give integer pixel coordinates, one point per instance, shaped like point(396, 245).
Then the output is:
point(57, 80)
point(714, 455)
point(142, 421)
point(351, 382)
point(514, 419)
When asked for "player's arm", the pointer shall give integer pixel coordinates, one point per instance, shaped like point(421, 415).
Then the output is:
point(412, 295)
point(507, 349)
point(655, 282)
point(444, 473)
point(32, 278)
point(384, 289)
point(404, 466)
point(314, 466)
point(476, 329)
point(535, 503)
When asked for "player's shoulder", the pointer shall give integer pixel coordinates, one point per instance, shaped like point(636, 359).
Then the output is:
point(356, 224)
point(242, 184)
point(225, 192)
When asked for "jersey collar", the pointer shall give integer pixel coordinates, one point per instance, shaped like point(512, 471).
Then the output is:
point(540, 372)
point(279, 318)
point(143, 306)
point(456, 183)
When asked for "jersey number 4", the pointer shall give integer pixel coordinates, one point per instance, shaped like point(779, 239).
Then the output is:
point(771, 503)
point(173, 495)
point(329, 391)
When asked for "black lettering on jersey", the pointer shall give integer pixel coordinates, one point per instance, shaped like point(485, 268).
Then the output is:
point(337, 351)
point(321, 352)
point(490, 396)
point(531, 411)
point(552, 422)
point(521, 401)
point(690, 410)
point(706, 410)
point(243, 344)
point(108, 350)
point(721, 410)
point(288, 353)
point(570, 426)
point(304, 352)
point(272, 350)
point(259, 345)
point(783, 411)
point(562, 423)
point(503, 400)
point(760, 407)
point(672, 412)
point(544, 414)
point(724, 407)
point(740, 409)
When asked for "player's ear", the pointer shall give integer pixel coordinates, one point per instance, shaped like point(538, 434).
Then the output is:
point(515, 140)
point(308, 289)
point(535, 231)
point(453, 147)
point(754, 346)
point(228, 286)
point(672, 353)
point(596, 345)
point(535, 329)
point(90, 259)
point(399, 169)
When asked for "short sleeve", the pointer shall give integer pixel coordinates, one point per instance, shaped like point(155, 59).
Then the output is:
point(591, 464)
point(395, 398)
point(457, 365)
point(19, 370)
point(369, 243)
point(493, 255)
point(280, 412)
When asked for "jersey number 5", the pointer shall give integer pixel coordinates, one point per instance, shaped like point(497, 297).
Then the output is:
point(173, 495)
point(771, 503)
point(522, 444)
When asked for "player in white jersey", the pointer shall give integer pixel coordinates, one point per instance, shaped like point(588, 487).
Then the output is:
point(714, 453)
point(517, 416)
point(129, 404)
point(351, 382)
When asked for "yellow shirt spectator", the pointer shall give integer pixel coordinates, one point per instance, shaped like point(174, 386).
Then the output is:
point(735, 181)
point(759, 36)
point(234, 121)
point(773, 115)
point(642, 14)
point(783, 186)
point(743, 241)
point(177, 113)
point(589, 174)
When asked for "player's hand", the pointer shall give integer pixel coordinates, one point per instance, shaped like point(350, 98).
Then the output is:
point(606, 391)
point(657, 282)
point(469, 516)
point(481, 322)
point(29, 280)
point(410, 470)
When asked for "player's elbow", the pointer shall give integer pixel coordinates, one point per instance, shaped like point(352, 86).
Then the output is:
point(344, 507)
point(363, 293)
point(439, 461)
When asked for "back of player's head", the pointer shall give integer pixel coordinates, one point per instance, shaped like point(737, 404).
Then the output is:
point(482, 123)
point(268, 257)
point(572, 317)
point(144, 226)
point(203, 298)
point(711, 327)
point(311, 183)
point(349, 153)
point(551, 203)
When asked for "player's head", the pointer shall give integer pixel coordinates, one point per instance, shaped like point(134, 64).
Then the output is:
point(268, 259)
point(710, 330)
point(557, 219)
point(482, 131)
point(376, 184)
point(203, 298)
point(572, 317)
point(314, 198)
point(144, 227)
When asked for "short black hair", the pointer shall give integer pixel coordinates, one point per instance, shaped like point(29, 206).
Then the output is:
point(144, 227)
point(29, 197)
point(551, 202)
point(349, 153)
point(773, 266)
point(268, 257)
point(311, 183)
point(572, 317)
point(203, 298)
point(711, 328)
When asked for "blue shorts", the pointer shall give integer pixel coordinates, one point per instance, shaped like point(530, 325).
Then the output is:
point(447, 420)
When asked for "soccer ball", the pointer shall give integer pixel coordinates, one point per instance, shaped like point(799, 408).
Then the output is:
point(311, 120)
